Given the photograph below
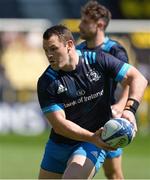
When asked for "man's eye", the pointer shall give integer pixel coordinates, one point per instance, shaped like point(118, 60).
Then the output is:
point(53, 48)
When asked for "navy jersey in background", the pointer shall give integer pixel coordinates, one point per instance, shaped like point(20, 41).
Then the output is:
point(116, 50)
point(82, 93)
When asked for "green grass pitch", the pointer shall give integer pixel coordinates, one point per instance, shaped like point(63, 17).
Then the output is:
point(20, 157)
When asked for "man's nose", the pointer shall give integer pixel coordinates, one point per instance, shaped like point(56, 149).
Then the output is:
point(49, 55)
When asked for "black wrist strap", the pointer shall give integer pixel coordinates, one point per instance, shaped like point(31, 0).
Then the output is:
point(132, 105)
point(130, 109)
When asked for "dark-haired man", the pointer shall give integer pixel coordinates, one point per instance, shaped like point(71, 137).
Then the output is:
point(73, 95)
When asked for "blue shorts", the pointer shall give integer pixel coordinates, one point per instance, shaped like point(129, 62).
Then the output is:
point(56, 155)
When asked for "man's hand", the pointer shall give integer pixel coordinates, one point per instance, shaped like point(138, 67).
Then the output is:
point(130, 117)
point(99, 142)
point(116, 111)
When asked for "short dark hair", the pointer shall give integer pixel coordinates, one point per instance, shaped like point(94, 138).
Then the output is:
point(63, 33)
point(96, 11)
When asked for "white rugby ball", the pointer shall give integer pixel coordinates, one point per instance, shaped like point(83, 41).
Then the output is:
point(118, 132)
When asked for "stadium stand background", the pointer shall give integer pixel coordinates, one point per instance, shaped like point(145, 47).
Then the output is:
point(58, 9)
point(47, 9)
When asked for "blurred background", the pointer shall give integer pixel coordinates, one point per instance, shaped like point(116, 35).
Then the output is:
point(23, 129)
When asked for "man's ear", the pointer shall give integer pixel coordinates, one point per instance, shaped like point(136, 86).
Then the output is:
point(101, 24)
point(70, 44)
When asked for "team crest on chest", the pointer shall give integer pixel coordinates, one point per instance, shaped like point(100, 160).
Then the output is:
point(93, 75)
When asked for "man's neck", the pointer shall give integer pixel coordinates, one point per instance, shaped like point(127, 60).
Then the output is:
point(96, 41)
point(73, 61)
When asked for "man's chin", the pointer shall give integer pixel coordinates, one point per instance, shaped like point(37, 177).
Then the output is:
point(82, 36)
point(55, 68)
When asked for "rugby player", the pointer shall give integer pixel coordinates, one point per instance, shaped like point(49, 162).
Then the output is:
point(73, 94)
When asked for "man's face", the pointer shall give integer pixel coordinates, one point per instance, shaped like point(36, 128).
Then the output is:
point(88, 28)
point(56, 52)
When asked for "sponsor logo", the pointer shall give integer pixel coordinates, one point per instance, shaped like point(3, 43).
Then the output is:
point(84, 99)
point(80, 92)
point(61, 89)
point(94, 153)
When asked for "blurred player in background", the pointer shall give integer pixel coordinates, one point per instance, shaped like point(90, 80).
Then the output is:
point(73, 94)
point(94, 21)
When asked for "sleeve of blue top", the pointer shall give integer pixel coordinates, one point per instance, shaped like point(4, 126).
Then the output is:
point(53, 108)
point(122, 72)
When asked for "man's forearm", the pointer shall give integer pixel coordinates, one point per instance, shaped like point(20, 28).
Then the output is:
point(137, 84)
point(123, 96)
point(68, 128)
point(73, 131)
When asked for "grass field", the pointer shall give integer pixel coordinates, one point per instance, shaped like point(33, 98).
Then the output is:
point(20, 157)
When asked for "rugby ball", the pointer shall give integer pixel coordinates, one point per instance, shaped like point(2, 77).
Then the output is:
point(118, 132)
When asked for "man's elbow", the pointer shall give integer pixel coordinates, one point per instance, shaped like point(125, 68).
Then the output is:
point(138, 77)
point(144, 81)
